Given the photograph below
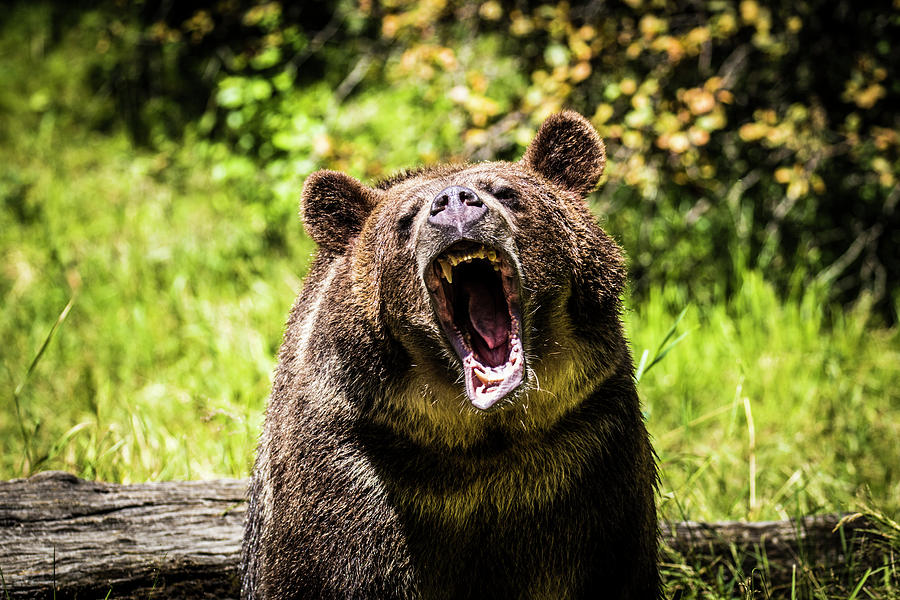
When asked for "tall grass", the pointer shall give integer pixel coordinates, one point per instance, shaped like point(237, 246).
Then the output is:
point(781, 407)
point(162, 367)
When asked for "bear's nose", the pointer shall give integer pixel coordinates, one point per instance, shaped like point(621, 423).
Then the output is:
point(456, 207)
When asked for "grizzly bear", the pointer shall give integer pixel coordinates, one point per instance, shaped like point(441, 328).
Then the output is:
point(454, 412)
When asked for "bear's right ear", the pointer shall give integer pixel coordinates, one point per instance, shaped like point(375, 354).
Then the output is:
point(567, 151)
point(334, 207)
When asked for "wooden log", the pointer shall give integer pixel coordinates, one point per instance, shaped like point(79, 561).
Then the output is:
point(87, 539)
point(73, 538)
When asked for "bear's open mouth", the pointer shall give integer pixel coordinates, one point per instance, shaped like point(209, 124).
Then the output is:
point(476, 297)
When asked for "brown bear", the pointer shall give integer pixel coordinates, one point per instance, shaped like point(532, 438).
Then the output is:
point(454, 413)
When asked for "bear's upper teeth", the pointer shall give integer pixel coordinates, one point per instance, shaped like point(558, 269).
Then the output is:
point(468, 256)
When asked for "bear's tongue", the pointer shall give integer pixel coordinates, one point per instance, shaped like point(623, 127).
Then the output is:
point(488, 312)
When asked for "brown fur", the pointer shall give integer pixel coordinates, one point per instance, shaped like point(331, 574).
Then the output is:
point(376, 478)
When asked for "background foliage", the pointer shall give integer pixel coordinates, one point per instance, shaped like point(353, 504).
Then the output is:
point(152, 153)
point(762, 128)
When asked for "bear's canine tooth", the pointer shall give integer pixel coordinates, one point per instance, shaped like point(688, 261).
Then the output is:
point(446, 270)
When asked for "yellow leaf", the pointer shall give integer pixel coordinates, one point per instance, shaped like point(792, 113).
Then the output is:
point(602, 114)
point(880, 164)
point(679, 142)
point(797, 188)
point(490, 11)
point(724, 96)
point(633, 50)
point(698, 136)
point(459, 94)
point(817, 184)
point(699, 101)
point(640, 101)
point(520, 25)
point(632, 139)
point(779, 135)
point(581, 50)
point(475, 137)
point(697, 36)
point(725, 24)
point(446, 58)
point(869, 96)
point(749, 10)
point(713, 83)
point(783, 174)
point(580, 71)
point(651, 25)
point(390, 24)
point(477, 81)
point(671, 46)
point(322, 144)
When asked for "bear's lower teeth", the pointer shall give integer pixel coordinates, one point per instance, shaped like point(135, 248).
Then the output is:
point(485, 385)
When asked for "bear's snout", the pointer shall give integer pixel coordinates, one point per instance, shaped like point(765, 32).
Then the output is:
point(456, 207)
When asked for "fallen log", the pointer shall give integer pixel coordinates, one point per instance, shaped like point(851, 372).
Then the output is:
point(64, 537)
point(88, 539)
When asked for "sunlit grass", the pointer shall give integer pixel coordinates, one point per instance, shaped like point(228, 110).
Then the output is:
point(818, 385)
point(162, 367)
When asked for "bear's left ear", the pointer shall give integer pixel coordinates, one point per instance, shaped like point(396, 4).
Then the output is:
point(567, 151)
point(334, 207)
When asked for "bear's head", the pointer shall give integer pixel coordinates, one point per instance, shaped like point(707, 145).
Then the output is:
point(492, 281)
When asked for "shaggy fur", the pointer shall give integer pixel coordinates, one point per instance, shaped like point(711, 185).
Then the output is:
point(375, 476)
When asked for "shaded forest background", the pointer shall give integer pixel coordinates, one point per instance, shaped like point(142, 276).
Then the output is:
point(742, 134)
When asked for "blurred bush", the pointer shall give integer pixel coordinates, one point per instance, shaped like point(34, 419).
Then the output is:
point(741, 134)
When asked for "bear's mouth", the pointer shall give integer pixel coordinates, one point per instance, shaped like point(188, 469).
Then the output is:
point(475, 290)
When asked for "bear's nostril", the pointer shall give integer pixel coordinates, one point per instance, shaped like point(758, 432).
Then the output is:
point(469, 198)
point(440, 203)
point(456, 207)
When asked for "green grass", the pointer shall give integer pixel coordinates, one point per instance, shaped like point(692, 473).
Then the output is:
point(144, 294)
point(161, 368)
point(770, 408)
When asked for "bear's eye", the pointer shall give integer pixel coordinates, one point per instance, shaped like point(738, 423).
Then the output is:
point(404, 224)
point(508, 197)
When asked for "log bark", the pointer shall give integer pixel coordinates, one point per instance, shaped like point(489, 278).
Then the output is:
point(85, 539)
point(64, 537)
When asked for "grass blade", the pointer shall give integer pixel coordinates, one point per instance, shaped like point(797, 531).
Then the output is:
point(859, 585)
point(37, 357)
point(26, 439)
point(664, 347)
